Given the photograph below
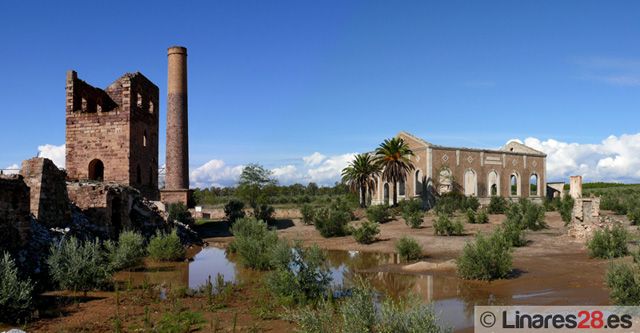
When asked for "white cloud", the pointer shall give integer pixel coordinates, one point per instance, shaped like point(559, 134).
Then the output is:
point(11, 169)
point(328, 172)
point(215, 173)
point(288, 174)
point(54, 153)
point(313, 159)
point(611, 71)
point(616, 158)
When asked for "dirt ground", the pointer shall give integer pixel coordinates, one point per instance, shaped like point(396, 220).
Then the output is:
point(551, 261)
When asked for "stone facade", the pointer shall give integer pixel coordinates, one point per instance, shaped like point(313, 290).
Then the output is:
point(15, 215)
point(515, 171)
point(48, 191)
point(112, 134)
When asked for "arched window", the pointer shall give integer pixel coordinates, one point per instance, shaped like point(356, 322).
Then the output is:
point(401, 188)
point(514, 185)
point(493, 183)
point(96, 170)
point(144, 138)
point(151, 108)
point(139, 101)
point(470, 183)
point(418, 183)
point(138, 175)
point(445, 181)
point(533, 185)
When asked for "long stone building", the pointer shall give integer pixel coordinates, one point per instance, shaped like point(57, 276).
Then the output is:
point(514, 171)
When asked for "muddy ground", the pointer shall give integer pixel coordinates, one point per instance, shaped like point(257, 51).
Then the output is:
point(553, 269)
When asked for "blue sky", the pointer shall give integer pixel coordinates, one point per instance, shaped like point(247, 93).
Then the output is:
point(275, 81)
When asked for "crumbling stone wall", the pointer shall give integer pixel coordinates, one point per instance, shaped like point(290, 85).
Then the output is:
point(115, 207)
point(48, 192)
point(15, 213)
point(112, 134)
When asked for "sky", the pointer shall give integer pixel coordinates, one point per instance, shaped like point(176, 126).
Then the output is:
point(300, 86)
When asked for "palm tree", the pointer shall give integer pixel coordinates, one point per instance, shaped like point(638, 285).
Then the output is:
point(361, 175)
point(393, 157)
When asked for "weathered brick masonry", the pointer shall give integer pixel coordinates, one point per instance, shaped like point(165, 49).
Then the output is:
point(15, 215)
point(112, 134)
point(48, 191)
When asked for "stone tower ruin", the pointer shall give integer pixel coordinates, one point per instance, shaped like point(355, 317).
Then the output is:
point(177, 170)
point(112, 134)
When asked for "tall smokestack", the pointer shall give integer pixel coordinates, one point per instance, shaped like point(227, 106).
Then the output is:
point(177, 168)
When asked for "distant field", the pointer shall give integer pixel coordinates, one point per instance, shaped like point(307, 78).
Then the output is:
point(589, 187)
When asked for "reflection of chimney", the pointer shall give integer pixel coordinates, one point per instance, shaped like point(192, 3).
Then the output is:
point(575, 187)
point(177, 169)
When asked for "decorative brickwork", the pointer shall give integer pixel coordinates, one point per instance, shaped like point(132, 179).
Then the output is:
point(112, 134)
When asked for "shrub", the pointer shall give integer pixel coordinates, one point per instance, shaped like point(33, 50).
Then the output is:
point(180, 321)
point(78, 266)
point(303, 278)
point(179, 212)
point(527, 215)
point(15, 294)
point(633, 214)
point(234, 210)
point(358, 312)
point(166, 247)
point(315, 319)
point(450, 202)
point(407, 315)
point(487, 258)
point(128, 252)
point(414, 219)
point(254, 243)
point(264, 212)
point(565, 207)
point(512, 233)
point(445, 227)
point(482, 217)
point(408, 248)
point(623, 281)
point(366, 233)
point(497, 205)
point(307, 213)
point(472, 203)
point(378, 213)
point(332, 221)
point(471, 216)
point(609, 243)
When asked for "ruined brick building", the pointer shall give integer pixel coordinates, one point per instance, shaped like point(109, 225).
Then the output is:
point(112, 134)
point(514, 171)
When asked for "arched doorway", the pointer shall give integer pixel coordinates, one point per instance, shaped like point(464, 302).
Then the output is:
point(96, 170)
point(418, 183)
point(386, 194)
point(493, 183)
point(514, 185)
point(470, 183)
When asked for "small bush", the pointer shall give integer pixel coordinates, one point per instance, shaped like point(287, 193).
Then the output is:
point(303, 278)
point(179, 212)
point(609, 243)
point(565, 207)
point(527, 215)
point(482, 217)
point(378, 213)
point(307, 213)
point(407, 315)
point(472, 203)
point(366, 233)
point(264, 213)
point(331, 221)
point(408, 248)
point(78, 266)
point(254, 243)
point(512, 233)
point(487, 258)
point(451, 202)
point(414, 219)
point(180, 321)
point(358, 312)
point(128, 252)
point(471, 216)
point(497, 205)
point(15, 294)
point(623, 281)
point(633, 214)
point(234, 210)
point(166, 247)
point(445, 227)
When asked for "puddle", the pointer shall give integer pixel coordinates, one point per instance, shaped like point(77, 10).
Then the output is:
point(544, 281)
